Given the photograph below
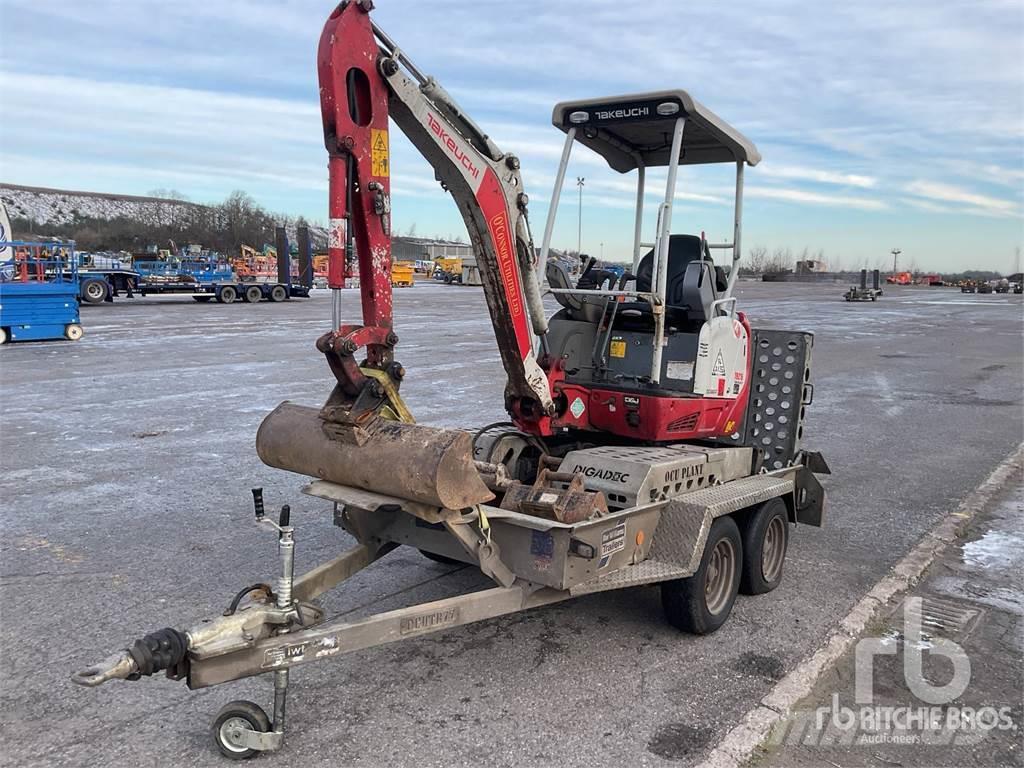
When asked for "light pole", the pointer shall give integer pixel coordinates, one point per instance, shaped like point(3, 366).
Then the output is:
point(579, 219)
point(895, 252)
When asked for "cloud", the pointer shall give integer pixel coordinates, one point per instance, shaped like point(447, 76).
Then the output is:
point(949, 193)
point(848, 102)
point(816, 198)
point(817, 175)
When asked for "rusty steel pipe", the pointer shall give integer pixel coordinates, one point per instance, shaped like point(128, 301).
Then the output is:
point(410, 461)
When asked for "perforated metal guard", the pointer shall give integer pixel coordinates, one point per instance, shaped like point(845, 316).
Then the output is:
point(779, 383)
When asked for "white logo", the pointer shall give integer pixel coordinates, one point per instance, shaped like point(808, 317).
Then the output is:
point(936, 723)
point(913, 645)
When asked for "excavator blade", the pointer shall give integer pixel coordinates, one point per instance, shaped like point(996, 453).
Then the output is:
point(409, 461)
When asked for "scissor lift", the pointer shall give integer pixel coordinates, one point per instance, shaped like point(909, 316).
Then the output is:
point(39, 292)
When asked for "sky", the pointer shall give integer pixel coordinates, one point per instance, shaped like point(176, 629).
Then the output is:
point(882, 124)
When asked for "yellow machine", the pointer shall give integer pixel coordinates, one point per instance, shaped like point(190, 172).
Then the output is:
point(448, 268)
point(402, 274)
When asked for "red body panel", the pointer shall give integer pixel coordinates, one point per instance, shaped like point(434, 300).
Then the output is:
point(657, 418)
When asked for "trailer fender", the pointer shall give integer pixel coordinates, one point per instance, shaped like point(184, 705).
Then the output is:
point(685, 521)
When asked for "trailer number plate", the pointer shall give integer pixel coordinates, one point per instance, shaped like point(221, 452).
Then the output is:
point(613, 540)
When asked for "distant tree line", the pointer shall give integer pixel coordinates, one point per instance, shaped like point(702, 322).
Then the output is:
point(759, 261)
point(220, 227)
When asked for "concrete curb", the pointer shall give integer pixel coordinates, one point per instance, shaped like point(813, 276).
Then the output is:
point(739, 744)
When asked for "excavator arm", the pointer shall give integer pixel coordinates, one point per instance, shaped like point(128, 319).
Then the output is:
point(364, 80)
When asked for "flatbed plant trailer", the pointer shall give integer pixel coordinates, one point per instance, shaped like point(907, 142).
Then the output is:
point(654, 435)
point(97, 285)
point(861, 292)
point(250, 291)
point(256, 288)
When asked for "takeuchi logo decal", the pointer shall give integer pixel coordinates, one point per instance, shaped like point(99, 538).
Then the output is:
point(619, 114)
point(449, 143)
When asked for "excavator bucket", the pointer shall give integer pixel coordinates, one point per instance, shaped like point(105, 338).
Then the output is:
point(409, 461)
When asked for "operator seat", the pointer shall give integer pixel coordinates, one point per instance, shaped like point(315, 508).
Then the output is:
point(691, 286)
point(578, 306)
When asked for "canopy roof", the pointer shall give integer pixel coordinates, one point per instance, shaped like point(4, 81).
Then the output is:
point(625, 129)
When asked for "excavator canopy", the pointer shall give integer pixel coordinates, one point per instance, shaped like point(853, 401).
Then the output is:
point(636, 129)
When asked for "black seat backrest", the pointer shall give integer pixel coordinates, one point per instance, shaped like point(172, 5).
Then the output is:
point(558, 277)
point(682, 249)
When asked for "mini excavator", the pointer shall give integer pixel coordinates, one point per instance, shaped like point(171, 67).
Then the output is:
point(654, 436)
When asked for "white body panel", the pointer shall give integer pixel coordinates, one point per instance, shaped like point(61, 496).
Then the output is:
point(721, 367)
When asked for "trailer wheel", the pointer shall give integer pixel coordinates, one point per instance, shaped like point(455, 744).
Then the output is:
point(444, 560)
point(94, 291)
point(278, 293)
point(227, 294)
point(253, 294)
point(235, 716)
point(73, 331)
point(202, 299)
point(702, 603)
point(765, 540)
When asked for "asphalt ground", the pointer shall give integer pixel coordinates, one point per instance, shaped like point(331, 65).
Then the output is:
point(126, 461)
point(971, 613)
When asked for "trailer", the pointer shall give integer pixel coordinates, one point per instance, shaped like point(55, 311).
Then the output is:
point(701, 522)
point(103, 277)
point(862, 292)
point(290, 283)
point(251, 291)
point(38, 292)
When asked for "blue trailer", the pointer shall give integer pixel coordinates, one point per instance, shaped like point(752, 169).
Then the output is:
point(38, 292)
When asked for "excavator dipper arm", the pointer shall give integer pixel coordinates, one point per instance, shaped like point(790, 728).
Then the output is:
point(355, 117)
point(364, 78)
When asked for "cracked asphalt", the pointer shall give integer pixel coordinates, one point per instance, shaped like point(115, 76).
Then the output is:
point(125, 466)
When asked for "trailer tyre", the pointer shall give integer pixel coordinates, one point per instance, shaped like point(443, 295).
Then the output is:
point(234, 716)
point(73, 331)
point(765, 540)
point(253, 294)
point(227, 294)
point(702, 603)
point(278, 293)
point(94, 291)
point(443, 559)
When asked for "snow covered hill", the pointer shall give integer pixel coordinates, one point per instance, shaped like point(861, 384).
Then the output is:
point(60, 206)
point(57, 206)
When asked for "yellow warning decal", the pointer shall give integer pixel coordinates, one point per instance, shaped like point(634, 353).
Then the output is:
point(617, 348)
point(379, 152)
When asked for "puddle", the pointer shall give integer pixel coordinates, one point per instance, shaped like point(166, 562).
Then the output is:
point(996, 549)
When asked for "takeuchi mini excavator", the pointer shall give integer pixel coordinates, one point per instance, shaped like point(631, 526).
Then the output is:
point(654, 435)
